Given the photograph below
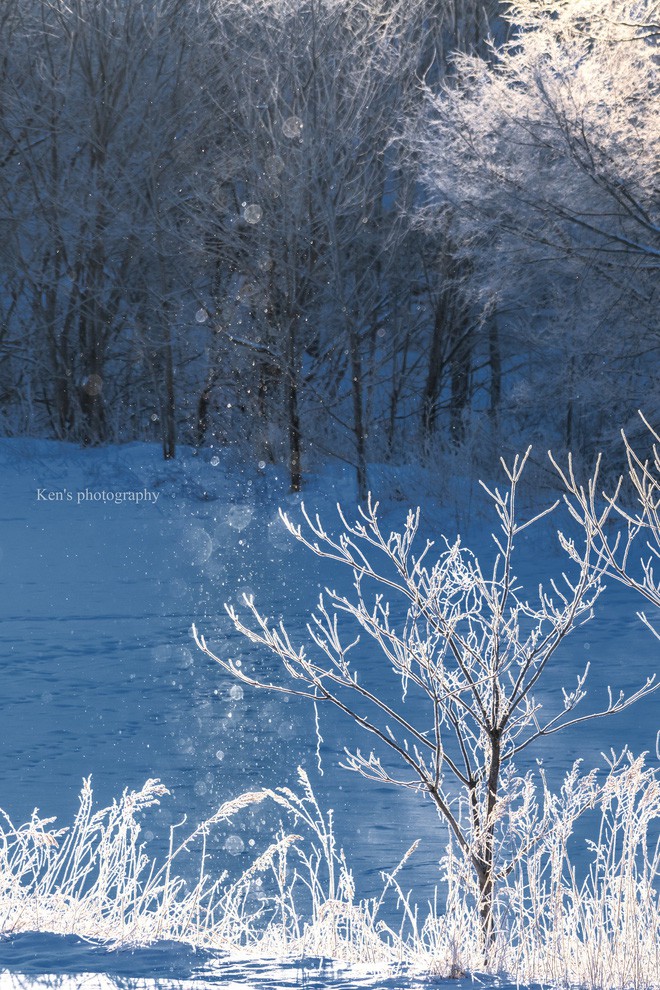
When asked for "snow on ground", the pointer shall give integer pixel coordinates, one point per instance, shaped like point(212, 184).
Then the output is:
point(167, 968)
point(99, 674)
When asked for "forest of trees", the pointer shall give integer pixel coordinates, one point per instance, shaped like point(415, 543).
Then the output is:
point(365, 229)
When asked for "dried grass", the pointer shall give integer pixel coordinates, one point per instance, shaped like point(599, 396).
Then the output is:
point(297, 897)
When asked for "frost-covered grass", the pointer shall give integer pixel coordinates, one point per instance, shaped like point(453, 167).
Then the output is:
point(297, 897)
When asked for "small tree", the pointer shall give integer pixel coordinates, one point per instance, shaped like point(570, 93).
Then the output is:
point(469, 649)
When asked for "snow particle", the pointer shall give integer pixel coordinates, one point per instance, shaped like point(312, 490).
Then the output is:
point(253, 213)
point(278, 535)
point(240, 516)
point(219, 755)
point(196, 544)
point(201, 315)
point(173, 655)
point(274, 164)
point(234, 845)
point(292, 127)
point(93, 385)
point(236, 692)
point(184, 656)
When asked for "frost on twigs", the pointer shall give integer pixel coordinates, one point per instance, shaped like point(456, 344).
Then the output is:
point(466, 646)
point(618, 522)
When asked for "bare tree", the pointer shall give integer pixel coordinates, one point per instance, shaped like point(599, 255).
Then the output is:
point(94, 119)
point(301, 220)
point(470, 649)
point(299, 197)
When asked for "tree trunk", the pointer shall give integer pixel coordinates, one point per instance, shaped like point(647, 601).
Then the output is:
point(485, 863)
point(435, 371)
point(202, 424)
point(293, 413)
point(495, 359)
point(570, 407)
point(295, 471)
point(399, 373)
point(168, 419)
point(460, 382)
point(91, 392)
point(268, 386)
point(486, 892)
point(358, 412)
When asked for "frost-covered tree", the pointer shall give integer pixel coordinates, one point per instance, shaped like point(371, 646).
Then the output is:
point(543, 156)
point(469, 647)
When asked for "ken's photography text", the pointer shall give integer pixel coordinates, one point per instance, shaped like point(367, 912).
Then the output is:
point(81, 495)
